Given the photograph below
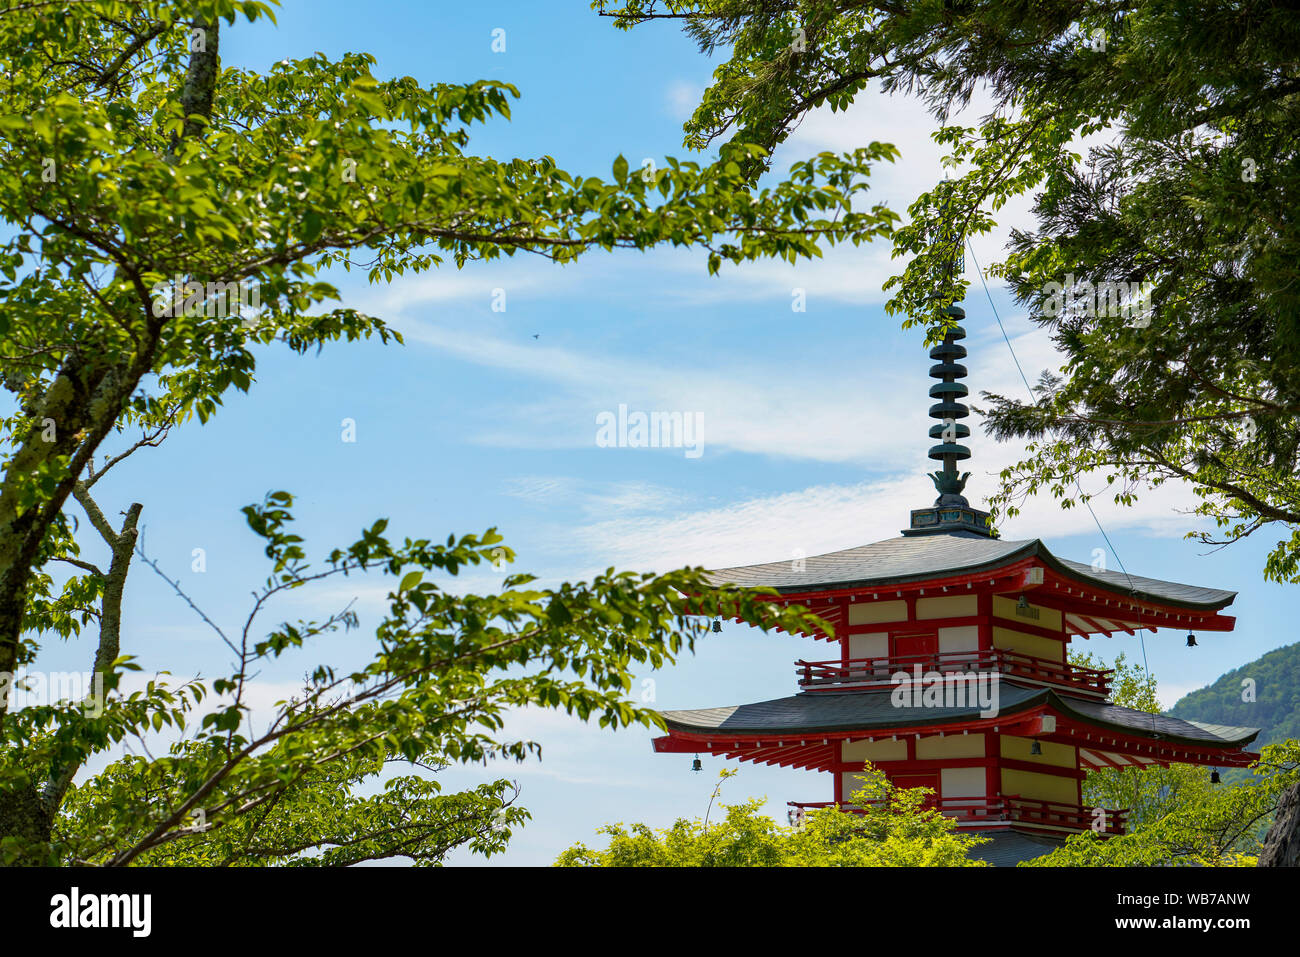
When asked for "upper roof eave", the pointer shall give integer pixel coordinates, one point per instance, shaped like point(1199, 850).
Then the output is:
point(925, 563)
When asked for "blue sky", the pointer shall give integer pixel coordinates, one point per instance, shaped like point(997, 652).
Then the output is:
point(814, 422)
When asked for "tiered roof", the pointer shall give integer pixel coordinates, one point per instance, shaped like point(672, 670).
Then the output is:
point(897, 561)
point(857, 711)
point(951, 548)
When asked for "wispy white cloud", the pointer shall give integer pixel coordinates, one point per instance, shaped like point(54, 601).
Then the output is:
point(594, 497)
point(846, 407)
point(681, 99)
point(843, 409)
point(826, 518)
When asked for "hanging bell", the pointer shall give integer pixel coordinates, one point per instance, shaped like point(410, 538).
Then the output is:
point(1214, 777)
point(697, 765)
point(1191, 640)
point(1035, 748)
point(1023, 604)
point(717, 625)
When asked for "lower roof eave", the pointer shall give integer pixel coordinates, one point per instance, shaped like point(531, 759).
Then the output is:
point(804, 721)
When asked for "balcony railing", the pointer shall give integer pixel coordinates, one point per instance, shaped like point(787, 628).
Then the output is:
point(825, 675)
point(977, 811)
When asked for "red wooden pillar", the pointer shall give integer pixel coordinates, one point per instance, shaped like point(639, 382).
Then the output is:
point(984, 609)
point(992, 770)
point(844, 632)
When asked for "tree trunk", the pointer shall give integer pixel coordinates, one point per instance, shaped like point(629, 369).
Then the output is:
point(1282, 844)
point(83, 401)
point(25, 823)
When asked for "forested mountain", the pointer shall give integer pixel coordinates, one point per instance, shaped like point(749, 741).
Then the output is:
point(1276, 693)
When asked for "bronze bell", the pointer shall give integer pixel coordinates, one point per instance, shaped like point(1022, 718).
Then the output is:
point(697, 765)
point(717, 625)
point(1191, 640)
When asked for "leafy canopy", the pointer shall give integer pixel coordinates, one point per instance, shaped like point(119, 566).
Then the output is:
point(447, 669)
point(893, 828)
point(133, 159)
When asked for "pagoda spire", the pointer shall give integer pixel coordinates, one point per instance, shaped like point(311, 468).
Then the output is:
point(948, 410)
point(951, 511)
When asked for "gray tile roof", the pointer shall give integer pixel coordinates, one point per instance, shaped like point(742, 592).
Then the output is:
point(1174, 729)
point(910, 559)
point(1174, 592)
point(1007, 848)
point(825, 711)
point(864, 710)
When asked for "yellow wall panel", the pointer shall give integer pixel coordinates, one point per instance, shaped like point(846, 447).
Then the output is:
point(947, 606)
point(951, 746)
point(884, 749)
point(1059, 755)
point(869, 613)
point(1040, 787)
point(1035, 646)
point(1047, 617)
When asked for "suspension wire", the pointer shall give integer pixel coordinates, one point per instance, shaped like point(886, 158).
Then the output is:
point(1083, 498)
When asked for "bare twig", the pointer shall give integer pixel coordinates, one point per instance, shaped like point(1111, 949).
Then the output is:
point(152, 563)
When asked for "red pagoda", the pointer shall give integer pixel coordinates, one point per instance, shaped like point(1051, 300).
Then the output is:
point(950, 670)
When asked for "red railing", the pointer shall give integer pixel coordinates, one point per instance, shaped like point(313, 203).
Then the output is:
point(1011, 808)
point(814, 675)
